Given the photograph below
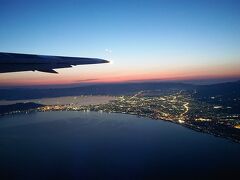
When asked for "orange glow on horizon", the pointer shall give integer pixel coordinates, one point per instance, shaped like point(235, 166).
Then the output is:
point(120, 79)
point(112, 74)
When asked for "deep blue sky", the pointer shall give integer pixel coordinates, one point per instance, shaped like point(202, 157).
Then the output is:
point(144, 38)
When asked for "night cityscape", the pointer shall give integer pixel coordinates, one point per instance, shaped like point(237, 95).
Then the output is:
point(176, 106)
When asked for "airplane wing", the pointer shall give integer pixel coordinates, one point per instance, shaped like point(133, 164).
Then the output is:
point(14, 62)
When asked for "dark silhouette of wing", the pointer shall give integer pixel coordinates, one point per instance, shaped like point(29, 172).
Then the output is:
point(14, 62)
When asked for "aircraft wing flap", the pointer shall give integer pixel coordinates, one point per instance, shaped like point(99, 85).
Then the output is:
point(47, 71)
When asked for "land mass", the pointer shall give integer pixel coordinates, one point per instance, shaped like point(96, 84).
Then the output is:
point(18, 108)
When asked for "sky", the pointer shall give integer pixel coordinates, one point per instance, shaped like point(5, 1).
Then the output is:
point(145, 40)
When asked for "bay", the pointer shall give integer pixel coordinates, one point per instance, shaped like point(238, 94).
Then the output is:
point(93, 145)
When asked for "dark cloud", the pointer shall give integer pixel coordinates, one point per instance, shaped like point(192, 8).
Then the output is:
point(86, 80)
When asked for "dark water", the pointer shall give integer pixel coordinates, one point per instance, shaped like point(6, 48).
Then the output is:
point(78, 145)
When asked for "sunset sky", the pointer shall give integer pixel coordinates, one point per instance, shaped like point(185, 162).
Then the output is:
point(146, 40)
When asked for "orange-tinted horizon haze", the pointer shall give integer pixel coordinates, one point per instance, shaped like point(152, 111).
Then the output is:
point(173, 40)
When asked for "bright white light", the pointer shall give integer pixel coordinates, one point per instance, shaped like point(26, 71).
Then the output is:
point(110, 62)
point(181, 121)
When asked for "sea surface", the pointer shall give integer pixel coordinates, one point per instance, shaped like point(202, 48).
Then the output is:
point(75, 100)
point(92, 145)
